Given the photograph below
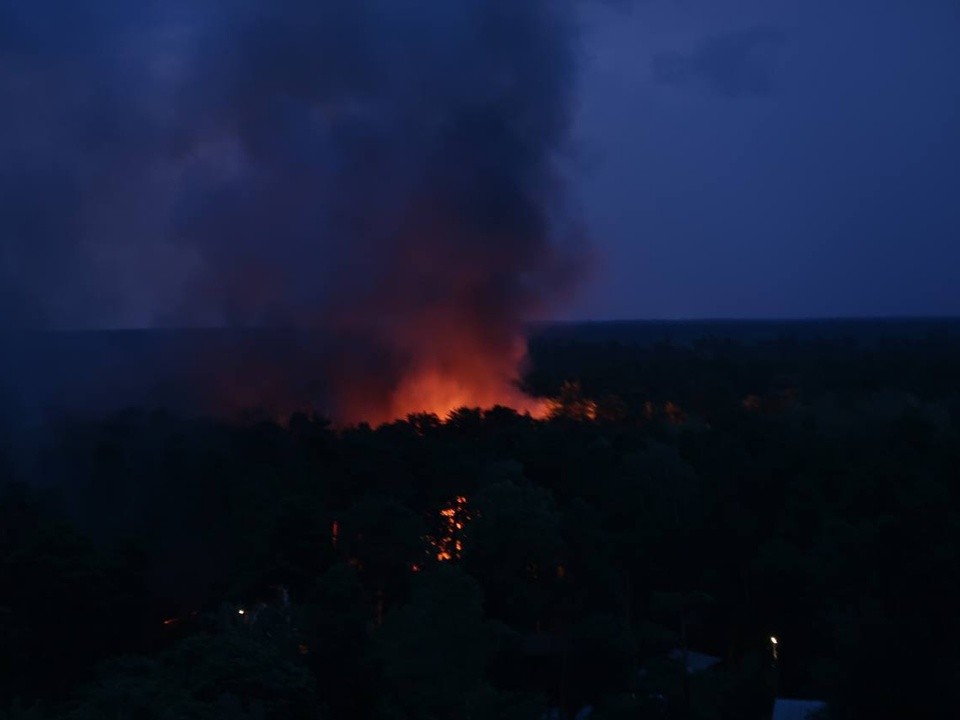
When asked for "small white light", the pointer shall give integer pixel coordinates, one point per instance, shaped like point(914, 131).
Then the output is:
point(241, 611)
point(773, 640)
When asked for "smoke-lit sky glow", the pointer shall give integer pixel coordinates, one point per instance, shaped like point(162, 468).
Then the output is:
point(772, 158)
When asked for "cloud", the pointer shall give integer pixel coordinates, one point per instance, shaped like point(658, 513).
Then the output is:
point(737, 64)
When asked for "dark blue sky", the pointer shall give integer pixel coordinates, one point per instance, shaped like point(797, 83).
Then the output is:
point(772, 158)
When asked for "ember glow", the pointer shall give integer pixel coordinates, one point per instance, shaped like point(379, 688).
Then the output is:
point(571, 404)
point(453, 518)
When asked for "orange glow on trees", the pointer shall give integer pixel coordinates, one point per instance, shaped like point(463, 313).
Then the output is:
point(572, 405)
point(444, 363)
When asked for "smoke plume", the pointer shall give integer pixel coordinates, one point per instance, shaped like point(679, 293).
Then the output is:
point(387, 173)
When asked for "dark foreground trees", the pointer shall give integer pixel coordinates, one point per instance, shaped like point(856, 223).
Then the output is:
point(497, 567)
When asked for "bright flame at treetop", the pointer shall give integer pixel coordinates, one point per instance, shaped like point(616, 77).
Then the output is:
point(446, 369)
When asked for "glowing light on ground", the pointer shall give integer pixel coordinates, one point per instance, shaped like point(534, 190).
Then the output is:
point(453, 518)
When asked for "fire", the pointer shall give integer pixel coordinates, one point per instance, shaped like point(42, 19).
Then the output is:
point(453, 518)
point(440, 394)
point(442, 365)
point(571, 404)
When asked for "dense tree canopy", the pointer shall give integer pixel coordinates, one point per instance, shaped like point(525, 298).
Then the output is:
point(681, 499)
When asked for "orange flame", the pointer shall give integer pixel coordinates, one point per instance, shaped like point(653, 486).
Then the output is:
point(437, 393)
point(454, 517)
point(447, 363)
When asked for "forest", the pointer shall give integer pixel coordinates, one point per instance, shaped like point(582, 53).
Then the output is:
point(683, 499)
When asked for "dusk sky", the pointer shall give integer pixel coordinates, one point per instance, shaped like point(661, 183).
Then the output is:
point(772, 158)
point(209, 162)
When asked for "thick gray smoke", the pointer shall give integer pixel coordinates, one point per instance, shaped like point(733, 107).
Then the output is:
point(388, 172)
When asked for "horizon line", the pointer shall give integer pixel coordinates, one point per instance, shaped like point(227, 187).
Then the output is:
point(530, 323)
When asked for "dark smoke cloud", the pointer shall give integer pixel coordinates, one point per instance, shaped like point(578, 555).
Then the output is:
point(216, 162)
point(382, 170)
